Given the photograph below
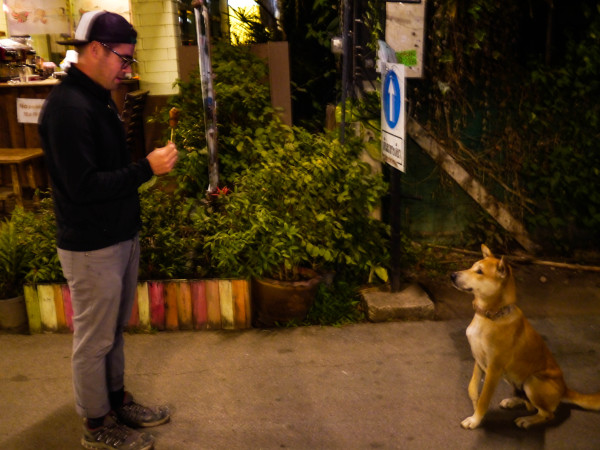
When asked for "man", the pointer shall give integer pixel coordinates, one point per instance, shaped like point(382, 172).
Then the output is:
point(94, 186)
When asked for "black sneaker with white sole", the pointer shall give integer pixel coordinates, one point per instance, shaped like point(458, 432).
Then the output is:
point(135, 415)
point(114, 435)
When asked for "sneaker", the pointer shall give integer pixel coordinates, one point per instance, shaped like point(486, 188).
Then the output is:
point(135, 415)
point(114, 435)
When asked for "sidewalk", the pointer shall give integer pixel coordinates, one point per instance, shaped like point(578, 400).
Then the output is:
point(398, 385)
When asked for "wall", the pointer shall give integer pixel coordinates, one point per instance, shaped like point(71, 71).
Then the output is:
point(3, 26)
point(158, 41)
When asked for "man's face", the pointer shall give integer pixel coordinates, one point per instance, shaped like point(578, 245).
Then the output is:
point(112, 70)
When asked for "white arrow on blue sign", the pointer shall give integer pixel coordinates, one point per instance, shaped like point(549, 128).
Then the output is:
point(392, 117)
point(392, 99)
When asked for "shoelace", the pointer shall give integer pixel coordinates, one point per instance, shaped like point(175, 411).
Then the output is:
point(112, 434)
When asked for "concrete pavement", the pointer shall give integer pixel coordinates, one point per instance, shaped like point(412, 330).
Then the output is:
point(396, 385)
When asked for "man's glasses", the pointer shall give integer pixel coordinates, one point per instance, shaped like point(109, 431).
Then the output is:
point(126, 61)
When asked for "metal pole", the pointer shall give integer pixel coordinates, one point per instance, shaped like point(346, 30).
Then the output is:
point(396, 229)
point(345, 67)
point(202, 15)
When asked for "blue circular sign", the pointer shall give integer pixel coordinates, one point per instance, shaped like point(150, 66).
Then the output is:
point(391, 99)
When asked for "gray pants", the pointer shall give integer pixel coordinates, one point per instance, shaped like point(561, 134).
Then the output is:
point(102, 284)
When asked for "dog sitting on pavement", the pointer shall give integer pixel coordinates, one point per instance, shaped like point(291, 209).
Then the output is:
point(504, 344)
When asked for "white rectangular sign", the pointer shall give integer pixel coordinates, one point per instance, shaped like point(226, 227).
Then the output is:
point(28, 109)
point(392, 117)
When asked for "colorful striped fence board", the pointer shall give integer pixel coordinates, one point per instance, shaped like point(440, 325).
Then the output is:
point(143, 303)
point(213, 305)
point(184, 305)
point(47, 307)
point(163, 305)
point(59, 307)
point(199, 308)
point(66, 294)
point(32, 304)
point(241, 300)
point(157, 304)
point(226, 303)
point(171, 314)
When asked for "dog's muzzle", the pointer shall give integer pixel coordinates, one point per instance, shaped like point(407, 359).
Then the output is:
point(455, 281)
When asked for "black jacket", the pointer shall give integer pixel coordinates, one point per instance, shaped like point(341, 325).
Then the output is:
point(94, 182)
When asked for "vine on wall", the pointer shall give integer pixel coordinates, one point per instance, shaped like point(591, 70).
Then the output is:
point(518, 109)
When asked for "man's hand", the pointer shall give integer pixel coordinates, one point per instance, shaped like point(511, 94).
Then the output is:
point(162, 160)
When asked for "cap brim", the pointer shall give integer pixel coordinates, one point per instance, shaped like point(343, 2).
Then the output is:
point(71, 42)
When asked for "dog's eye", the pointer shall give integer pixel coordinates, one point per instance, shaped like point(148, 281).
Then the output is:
point(479, 271)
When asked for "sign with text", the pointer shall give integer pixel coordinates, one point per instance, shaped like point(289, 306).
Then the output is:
point(392, 117)
point(28, 109)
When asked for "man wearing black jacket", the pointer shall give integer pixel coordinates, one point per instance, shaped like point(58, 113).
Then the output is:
point(94, 186)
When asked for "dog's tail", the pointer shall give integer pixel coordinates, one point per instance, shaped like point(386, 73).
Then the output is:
point(585, 401)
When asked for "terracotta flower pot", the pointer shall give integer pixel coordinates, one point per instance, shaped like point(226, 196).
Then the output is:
point(13, 314)
point(281, 301)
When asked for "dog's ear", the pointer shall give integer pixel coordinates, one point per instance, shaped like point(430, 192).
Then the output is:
point(503, 269)
point(486, 251)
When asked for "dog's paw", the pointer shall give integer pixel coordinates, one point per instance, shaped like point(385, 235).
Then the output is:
point(536, 419)
point(524, 422)
point(470, 423)
point(512, 403)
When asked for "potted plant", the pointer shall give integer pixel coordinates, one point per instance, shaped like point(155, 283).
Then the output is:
point(299, 201)
point(14, 258)
point(302, 208)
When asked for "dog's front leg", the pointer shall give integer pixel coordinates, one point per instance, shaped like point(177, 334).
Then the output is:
point(474, 384)
point(482, 403)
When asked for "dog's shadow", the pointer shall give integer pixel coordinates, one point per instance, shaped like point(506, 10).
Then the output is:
point(501, 422)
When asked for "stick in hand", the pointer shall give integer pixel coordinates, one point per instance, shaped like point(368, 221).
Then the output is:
point(173, 118)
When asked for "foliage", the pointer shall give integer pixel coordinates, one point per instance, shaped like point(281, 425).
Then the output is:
point(243, 103)
point(307, 26)
point(518, 114)
point(254, 31)
point(304, 204)
point(562, 119)
point(336, 304)
point(168, 241)
point(14, 255)
point(37, 230)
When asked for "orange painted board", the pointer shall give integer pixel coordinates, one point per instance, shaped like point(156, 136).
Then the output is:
point(68, 305)
point(184, 305)
point(61, 321)
point(213, 305)
point(239, 291)
point(199, 313)
point(171, 315)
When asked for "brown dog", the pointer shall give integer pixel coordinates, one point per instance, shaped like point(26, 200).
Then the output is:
point(504, 344)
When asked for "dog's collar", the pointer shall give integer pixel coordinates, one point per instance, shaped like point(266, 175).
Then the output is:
point(494, 315)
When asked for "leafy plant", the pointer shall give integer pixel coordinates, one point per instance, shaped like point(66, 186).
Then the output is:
point(168, 241)
point(517, 112)
point(37, 230)
point(14, 255)
point(244, 103)
point(305, 203)
point(336, 304)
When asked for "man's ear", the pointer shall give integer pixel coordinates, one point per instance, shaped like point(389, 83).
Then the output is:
point(486, 251)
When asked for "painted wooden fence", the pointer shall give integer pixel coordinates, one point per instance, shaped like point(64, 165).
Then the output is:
point(218, 304)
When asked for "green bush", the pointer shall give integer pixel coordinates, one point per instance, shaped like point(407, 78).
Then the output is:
point(14, 256)
point(37, 230)
point(304, 204)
